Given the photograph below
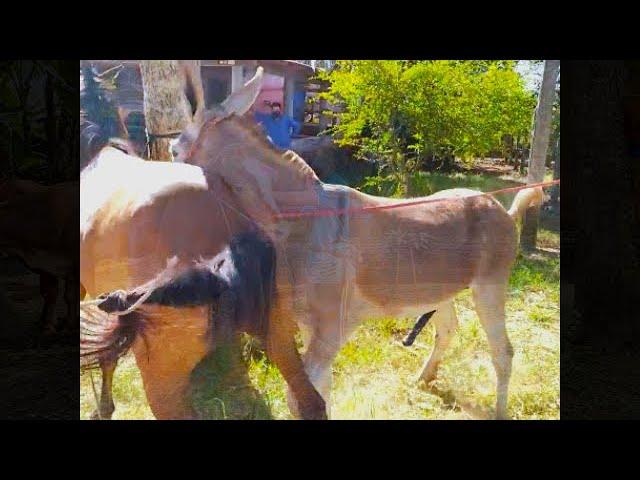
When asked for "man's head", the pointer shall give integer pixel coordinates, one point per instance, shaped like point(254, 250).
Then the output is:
point(276, 109)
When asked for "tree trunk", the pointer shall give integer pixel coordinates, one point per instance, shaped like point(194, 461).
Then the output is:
point(555, 190)
point(324, 119)
point(166, 107)
point(539, 146)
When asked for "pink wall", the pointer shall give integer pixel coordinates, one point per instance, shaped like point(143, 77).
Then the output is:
point(272, 90)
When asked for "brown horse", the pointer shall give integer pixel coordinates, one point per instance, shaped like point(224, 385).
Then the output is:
point(334, 271)
point(237, 285)
point(137, 214)
point(37, 226)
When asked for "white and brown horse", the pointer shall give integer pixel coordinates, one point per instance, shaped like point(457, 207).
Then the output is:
point(137, 214)
point(334, 271)
point(238, 286)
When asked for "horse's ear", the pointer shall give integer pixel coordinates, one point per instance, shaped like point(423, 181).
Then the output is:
point(194, 90)
point(240, 101)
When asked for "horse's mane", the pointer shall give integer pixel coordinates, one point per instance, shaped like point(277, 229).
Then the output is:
point(288, 160)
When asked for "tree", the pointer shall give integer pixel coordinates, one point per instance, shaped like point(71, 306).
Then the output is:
point(39, 126)
point(432, 111)
point(166, 106)
point(554, 192)
point(539, 147)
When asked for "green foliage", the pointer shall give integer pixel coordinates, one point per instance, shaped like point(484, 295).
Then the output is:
point(428, 183)
point(381, 186)
point(428, 110)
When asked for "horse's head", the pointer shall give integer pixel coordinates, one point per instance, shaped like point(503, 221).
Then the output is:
point(229, 144)
point(237, 104)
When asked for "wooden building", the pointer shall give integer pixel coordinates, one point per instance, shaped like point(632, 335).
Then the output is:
point(289, 82)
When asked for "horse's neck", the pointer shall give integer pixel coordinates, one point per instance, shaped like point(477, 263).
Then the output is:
point(287, 170)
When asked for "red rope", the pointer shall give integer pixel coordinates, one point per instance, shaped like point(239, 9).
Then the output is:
point(343, 211)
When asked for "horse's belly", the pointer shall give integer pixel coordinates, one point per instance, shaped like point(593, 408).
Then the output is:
point(405, 300)
point(405, 277)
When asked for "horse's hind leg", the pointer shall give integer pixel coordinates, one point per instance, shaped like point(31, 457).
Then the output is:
point(106, 407)
point(167, 353)
point(489, 298)
point(446, 322)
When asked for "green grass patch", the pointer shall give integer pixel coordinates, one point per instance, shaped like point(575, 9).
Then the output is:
point(428, 183)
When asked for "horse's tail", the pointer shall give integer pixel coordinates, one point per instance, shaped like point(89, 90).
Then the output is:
point(524, 199)
point(106, 337)
point(240, 281)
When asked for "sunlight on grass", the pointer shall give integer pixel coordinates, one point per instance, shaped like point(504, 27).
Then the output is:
point(128, 393)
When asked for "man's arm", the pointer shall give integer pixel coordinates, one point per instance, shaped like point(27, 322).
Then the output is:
point(295, 125)
point(260, 117)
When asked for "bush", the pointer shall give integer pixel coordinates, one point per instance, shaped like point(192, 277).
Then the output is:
point(428, 111)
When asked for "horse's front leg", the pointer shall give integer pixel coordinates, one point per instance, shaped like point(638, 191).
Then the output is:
point(330, 330)
point(307, 403)
point(323, 346)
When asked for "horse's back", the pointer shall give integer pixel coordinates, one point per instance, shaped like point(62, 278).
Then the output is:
point(117, 185)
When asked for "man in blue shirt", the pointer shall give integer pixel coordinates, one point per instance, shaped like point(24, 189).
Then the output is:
point(278, 127)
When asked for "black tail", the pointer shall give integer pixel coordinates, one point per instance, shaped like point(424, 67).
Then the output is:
point(239, 283)
point(105, 337)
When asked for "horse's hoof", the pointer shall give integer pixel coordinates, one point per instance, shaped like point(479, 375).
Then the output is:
point(315, 410)
point(314, 413)
point(96, 415)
